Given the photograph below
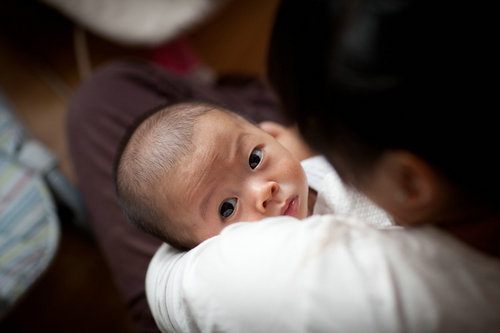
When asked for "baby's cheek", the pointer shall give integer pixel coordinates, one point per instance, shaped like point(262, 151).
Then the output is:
point(297, 175)
point(290, 169)
point(299, 172)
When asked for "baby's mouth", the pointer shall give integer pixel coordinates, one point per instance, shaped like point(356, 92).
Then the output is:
point(291, 206)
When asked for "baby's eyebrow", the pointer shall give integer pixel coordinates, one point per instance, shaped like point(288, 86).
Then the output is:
point(196, 182)
point(204, 204)
point(236, 146)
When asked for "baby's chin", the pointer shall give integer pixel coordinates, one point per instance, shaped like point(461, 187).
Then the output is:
point(305, 214)
point(303, 210)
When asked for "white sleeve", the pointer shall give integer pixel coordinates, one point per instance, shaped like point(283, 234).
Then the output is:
point(284, 275)
point(163, 292)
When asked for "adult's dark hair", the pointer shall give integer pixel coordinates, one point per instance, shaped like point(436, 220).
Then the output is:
point(365, 77)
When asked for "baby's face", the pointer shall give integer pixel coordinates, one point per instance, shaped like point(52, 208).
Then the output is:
point(237, 172)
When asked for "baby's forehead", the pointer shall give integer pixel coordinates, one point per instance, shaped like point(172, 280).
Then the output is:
point(226, 123)
point(216, 115)
point(217, 138)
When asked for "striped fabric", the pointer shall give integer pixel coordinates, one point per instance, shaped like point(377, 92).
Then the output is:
point(29, 226)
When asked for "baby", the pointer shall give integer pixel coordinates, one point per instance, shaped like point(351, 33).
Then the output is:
point(191, 169)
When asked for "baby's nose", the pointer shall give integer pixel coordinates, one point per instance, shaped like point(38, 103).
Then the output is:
point(266, 192)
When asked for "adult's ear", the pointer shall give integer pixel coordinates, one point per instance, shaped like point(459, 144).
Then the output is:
point(409, 188)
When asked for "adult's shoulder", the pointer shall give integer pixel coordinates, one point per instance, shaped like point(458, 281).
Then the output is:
point(327, 274)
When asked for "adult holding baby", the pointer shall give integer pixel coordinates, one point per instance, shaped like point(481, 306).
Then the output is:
point(344, 73)
point(375, 86)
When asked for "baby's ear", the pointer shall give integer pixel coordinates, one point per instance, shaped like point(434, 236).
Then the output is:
point(272, 128)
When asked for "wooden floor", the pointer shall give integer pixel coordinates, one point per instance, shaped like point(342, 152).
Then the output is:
point(38, 74)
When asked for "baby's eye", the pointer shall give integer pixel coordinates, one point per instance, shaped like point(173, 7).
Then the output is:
point(227, 208)
point(255, 158)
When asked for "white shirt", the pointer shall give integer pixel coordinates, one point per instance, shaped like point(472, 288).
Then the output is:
point(329, 273)
point(334, 197)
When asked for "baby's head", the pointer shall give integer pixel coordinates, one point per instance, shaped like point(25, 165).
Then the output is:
point(190, 169)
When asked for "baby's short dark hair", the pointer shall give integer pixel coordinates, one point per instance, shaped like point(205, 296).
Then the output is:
point(153, 146)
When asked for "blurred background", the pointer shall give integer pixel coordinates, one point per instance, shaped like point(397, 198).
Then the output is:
point(47, 48)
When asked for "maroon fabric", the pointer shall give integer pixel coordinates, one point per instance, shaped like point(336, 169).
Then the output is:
point(99, 115)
